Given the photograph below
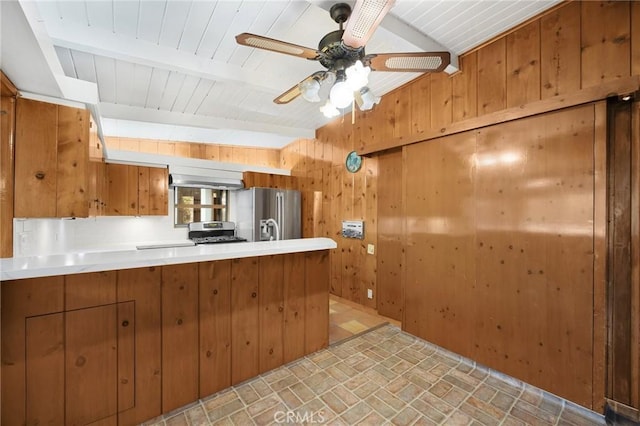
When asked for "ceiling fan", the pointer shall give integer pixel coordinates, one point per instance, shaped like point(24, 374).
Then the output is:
point(342, 53)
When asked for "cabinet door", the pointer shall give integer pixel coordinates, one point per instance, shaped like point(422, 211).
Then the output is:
point(294, 307)
point(316, 301)
point(7, 155)
point(245, 319)
point(179, 335)
point(22, 299)
point(44, 368)
point(91, 364)
point(36, 159)
point(103, 189)
point(271, 312)
point(123, 190)
point(98, 188)
point(72, 162)
point(142, 287)
point(93, 188)
point(158, 191)
point(215, 326)
point(143, 190)
point(51, 165)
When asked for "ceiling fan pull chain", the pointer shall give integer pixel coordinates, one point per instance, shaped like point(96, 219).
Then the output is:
point(353, 111)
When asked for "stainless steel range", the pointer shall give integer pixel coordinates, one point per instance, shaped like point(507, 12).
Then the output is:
point(213, 232)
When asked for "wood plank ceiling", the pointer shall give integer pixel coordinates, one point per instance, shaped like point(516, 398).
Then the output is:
point(175, 65)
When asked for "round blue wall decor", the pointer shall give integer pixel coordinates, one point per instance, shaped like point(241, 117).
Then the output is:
point(353, 162)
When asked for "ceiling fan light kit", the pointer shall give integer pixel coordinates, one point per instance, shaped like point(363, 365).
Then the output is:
point(342, 53)
point(357, 75)
point(310, 89)
point(366, 99)
point(329, 110)
point(341, 94)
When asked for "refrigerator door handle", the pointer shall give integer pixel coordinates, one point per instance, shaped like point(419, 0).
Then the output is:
point(283, 219)
point(280, 211)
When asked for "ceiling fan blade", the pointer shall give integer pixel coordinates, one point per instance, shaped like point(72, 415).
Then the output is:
point(274, 45)
point(289, 95)
point(409, 62)
point(294, 92)
point(364, 19)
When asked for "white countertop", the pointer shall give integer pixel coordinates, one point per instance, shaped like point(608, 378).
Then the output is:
point(76, 263)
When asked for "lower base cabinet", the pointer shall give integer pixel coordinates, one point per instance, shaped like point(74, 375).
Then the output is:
point(215, 326)
point(179, 335)
point(122, 347)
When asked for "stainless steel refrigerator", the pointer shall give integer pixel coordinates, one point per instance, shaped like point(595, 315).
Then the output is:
point(262, 213)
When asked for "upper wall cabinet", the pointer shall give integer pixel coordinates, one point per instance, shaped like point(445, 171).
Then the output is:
point(54, 176)
point(51, 160)
point(137, 190)
point(7, 144)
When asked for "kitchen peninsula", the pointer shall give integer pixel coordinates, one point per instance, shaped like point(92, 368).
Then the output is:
point(124, 336)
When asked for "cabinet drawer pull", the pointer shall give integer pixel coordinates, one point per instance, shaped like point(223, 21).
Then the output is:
point(254, 294)
point(39, 175)
point(125, 323)
point(280, 309)
point(179, 322)
point(215, 292)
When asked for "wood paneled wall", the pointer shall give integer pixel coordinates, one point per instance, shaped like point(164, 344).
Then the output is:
point(225, 153)
point(503, 255)
point(576, 45)
point(338, 195)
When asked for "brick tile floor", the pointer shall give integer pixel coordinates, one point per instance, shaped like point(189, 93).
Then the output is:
point(383, 376)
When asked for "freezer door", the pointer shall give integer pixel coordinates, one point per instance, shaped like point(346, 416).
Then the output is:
point(266, 206)
point(290, 214)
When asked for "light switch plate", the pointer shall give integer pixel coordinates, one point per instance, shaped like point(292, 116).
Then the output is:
point(371, 249)
point(369, 293)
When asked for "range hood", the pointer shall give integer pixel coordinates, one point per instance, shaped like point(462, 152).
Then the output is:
point(190, 181)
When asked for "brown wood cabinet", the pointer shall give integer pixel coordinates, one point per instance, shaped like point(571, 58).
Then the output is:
point(98, 180)
point(245, 319)
point(51, 160)
point(98, 188)
point(215, 326)
point(122, 347)
point(59, 163)
point(7, 146)
point(179, 335)
point(68, 354)
point(143, 287)
point(137, 190)
point(271, 300)
point(96, 150)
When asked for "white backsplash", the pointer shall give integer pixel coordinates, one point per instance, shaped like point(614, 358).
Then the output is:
point(38, 237)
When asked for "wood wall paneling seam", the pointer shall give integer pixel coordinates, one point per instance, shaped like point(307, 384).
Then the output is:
point(621, 86)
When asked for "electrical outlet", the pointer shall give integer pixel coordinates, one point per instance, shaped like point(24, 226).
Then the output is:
point(369, 293)
point(371, 249)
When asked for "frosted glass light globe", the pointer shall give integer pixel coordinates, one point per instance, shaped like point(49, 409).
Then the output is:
point(310, 89)
point(329, 110)
point(357, 75)
point(341, 94)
